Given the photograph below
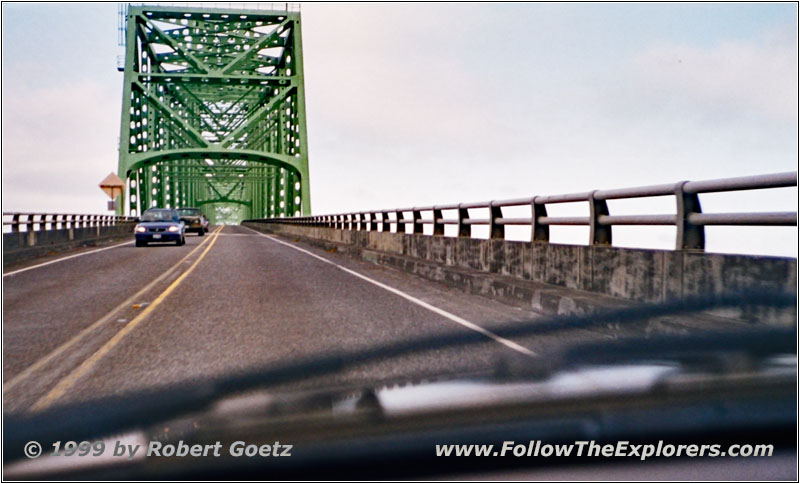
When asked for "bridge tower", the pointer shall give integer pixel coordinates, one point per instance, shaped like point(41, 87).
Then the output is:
point(213, 111)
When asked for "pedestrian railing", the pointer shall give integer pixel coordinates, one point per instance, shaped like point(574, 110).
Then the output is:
point(689, 219)
point(34, 222)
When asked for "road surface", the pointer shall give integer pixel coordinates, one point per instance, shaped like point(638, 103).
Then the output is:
point(118, 320)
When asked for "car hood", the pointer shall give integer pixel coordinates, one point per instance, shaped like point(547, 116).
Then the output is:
point(584, 382)
point(322, 421)
point(157, 225)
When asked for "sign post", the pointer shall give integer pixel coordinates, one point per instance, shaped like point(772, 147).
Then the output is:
point(113, 186)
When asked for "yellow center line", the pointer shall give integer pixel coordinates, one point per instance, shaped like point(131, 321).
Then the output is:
point(27, 372)
point(68, 381)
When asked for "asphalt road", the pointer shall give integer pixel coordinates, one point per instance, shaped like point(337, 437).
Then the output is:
point(123, 319)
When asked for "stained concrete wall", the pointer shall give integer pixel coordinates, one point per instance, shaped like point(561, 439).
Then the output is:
point(19, 246)
point(639, 275)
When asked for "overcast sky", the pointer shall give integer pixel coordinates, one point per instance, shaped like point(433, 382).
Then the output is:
point(414, 104)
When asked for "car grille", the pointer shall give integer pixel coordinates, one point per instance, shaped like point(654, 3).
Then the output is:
point(158, 229)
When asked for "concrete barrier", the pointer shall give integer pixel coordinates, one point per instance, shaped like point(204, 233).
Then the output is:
point(558, 278)
point(20, 246)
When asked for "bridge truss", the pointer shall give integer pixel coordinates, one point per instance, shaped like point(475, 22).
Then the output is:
point(213, 112)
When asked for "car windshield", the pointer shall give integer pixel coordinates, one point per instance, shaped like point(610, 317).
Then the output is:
point(599, 243)
point(158, 216)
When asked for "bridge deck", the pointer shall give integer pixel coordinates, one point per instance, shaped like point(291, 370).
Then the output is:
point(108, 322)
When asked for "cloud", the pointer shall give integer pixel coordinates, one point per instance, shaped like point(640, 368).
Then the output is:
point(411, 105)
point(58, 143)
point(399, 119)
point(387, 68)
point(756, 77)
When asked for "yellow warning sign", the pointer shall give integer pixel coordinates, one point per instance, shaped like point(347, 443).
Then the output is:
point(112, 185)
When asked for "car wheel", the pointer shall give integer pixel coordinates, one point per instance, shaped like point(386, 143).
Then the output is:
point(201, 232)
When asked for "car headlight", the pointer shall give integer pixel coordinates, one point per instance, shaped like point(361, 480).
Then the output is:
point(139, 228)
point(174, 228)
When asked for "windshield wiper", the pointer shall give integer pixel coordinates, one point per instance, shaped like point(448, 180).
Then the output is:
point(109, 415)
point(715, 351)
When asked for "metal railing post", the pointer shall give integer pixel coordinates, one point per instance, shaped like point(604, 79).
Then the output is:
point(689, 237)
point(463, 226)
point(496, 231)
point(417, 217)
point(438, 223)
point(401, 226)
point(539, 232)
point(386, 224)
point(598, 234)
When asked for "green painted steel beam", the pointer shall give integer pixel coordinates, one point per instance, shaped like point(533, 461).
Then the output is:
point(215, 78)
point(213, 112)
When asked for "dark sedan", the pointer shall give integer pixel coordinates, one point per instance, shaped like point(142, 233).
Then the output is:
point(160, 225)
point(194, 219)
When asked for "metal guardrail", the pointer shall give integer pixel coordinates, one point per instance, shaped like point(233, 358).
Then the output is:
point(689, 218)
point(34, 222)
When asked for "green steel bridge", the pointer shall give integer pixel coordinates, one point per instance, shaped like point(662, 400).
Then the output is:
point(108, 339)
point(213, 112)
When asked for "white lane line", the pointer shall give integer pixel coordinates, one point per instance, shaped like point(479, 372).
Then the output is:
point(67, 382)
point(65, 258)
point(440, 312)
point(24, 374)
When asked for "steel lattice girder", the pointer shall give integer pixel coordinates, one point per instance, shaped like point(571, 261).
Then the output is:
point(213, 111)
